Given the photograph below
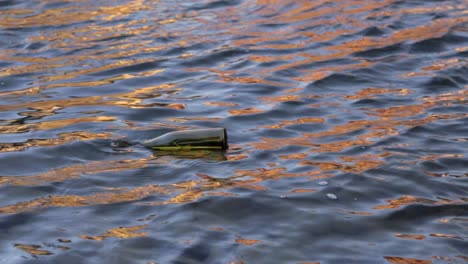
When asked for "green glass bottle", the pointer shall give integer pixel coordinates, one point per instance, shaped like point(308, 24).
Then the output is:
point(196, 139)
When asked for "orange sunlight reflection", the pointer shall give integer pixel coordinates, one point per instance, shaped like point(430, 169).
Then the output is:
point(73, 171)
point(63, 138)
point(401, 260)
point(318, 42)
point(33, 249)
point(409, 199)
point(413, 237)
point(120, 232)
point(247, 242)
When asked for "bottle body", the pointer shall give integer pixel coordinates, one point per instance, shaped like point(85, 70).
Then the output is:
point(197, 139)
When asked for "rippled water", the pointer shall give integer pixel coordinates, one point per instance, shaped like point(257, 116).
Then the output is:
point(348, 126)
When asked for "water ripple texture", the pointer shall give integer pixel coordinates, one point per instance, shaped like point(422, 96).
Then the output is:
point(347, 120)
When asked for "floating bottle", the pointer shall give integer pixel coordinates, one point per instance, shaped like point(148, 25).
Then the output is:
point(196, 139)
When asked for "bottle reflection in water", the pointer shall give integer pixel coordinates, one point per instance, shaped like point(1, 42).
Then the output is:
point(207, 155)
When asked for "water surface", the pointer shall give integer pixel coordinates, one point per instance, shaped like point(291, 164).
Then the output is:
point(347, 120)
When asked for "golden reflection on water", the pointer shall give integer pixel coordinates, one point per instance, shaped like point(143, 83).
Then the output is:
point(133, 99)
point(184, 192)
point(119, 232)
point(359, 213)
point(303, 190)
point(433, 30)
point(247, 242)
point(308, 12)
point(63, 138)
point(69, 15)
point(134, 194)
point(246, 111)
point(33, 249)
point(446, 236)
point(74, 171)
point(401, 260)
point(373, 92)
point(94, 48)
point(46, 125)
point(354, 164)
point(409, 199)
point(411, 236)
point(390, 121)
point(384, 126)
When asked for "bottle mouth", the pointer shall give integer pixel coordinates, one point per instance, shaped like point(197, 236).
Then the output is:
point(225, 139)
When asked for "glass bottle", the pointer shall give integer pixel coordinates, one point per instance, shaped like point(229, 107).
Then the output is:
point(196, 139)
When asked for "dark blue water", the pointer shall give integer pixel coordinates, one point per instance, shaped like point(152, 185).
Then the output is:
point(347, 120)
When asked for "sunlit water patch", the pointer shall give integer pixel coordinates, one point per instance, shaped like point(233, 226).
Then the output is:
point(347, 123)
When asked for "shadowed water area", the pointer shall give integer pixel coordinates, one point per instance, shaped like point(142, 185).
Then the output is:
point(347, 123)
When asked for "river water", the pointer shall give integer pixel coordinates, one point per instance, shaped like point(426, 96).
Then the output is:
point(347, 123)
